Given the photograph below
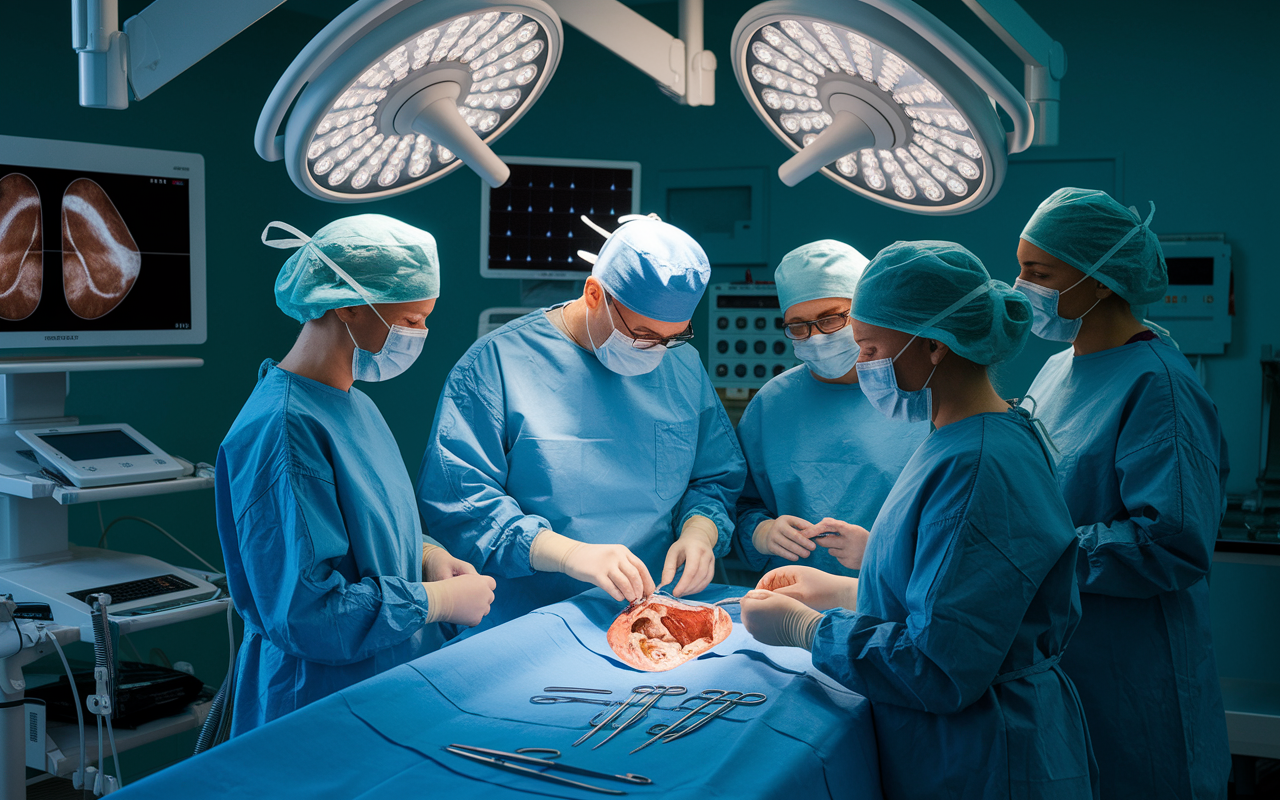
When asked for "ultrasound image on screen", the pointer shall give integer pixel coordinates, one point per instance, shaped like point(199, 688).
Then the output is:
point(534, 218)
point(88, 251)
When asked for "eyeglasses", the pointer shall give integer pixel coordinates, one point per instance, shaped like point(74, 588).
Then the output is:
point(798, 331)
point(650, 342)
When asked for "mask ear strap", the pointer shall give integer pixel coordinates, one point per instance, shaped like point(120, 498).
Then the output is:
point(304, 240)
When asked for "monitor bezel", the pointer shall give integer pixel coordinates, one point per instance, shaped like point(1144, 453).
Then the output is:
point(548, 274)
point(21, 151)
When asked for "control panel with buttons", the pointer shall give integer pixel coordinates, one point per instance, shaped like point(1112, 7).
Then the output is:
point(747, 345)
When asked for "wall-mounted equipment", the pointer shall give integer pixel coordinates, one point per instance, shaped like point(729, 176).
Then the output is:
point(1197, 306)
point(747, 345)
point(887, 101)
point(724, 209)
point(531, 227)
point(100, 245)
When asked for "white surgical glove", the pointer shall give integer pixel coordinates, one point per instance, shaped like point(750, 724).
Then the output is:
point(612, 567)
point(816, 589)
point(783, 537)
point(464, 599)
point(696, 550)
point(779, 620)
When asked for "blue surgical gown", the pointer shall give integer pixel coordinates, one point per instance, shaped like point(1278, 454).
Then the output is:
point(533, 433)
point(966, 602)
point(322, 543)
point(816, 450)
point(1143, 470)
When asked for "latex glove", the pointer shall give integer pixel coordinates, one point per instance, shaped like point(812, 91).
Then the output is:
point(696, 550)
point(438, 564)
point(846, 542)
point(612, 567)
point(783, 537)
point(776, 619)
point(463, 600)
point(813, 587)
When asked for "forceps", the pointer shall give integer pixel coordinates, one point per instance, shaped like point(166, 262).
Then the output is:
point(523, 761)
point(669, 733)
point(658, 693)
point(637, 694)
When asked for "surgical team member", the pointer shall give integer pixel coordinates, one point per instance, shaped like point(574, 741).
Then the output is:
point(967, 595)
point(820, 458)
point(1143, 470)
point(582, 443)
point(324, 550)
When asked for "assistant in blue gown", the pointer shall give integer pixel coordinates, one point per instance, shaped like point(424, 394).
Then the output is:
point(533, 433)
point(322, 542)
point(1143, 470)
point(816, 450)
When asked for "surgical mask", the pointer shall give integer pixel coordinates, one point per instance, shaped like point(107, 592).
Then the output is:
point(828, 355)
point(880, 385)
point(402, 348)
point(619, 354)
point(1045, 321)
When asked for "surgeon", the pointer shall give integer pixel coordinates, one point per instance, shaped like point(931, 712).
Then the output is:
point(324, 550)
point(1143, 470)
point(821, 459)
point(967, 595)
point(583, 445)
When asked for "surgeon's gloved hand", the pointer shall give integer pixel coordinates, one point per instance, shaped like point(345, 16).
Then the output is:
point(846, 542)
point(784, 537)
point(816, 589)
point(696, 550)
point(612, 567)
point(462, 600)
point(779, 620)
point(438, 564)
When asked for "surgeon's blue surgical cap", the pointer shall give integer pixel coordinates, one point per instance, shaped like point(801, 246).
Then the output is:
point(1090, 231)
point(939, 290)
point(825, 268)
point(654, 269)
point(378, 260)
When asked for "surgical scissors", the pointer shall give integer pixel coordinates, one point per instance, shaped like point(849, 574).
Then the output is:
point(669, 733)
point(636, 694)
point(658, 693)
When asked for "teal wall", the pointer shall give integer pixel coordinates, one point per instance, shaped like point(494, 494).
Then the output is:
point(1163, 102)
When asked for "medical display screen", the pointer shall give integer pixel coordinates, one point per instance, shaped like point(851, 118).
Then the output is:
point(93, 445)
point(1190, 271)
point(83, 252)
point(534, 219)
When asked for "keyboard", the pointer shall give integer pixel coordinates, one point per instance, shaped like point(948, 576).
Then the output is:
point(137, 590)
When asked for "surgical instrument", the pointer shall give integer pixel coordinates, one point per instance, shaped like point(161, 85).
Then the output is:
point(574, 689)
point(532, 773)
point(525, 755)
point(748, 699)
point(636, 694)
point(709, 696)
point(728, 601)
point(658, 693)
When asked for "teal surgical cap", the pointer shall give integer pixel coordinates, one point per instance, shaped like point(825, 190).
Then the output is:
point(825, 268)
point(366, 258)
point(654, 269)
point(939, 290)
point(1090, 231)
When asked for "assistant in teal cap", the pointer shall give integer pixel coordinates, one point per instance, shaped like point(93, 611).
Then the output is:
point(1089, 230)
point(940, 290)
point(653, 268)
point(388, 260)
point(825, 268)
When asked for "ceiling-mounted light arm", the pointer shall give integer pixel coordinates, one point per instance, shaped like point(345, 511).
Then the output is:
point(157, 44)
point(1045, 61)
point(680, 66)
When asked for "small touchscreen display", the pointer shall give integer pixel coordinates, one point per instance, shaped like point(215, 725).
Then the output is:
point(92, 445)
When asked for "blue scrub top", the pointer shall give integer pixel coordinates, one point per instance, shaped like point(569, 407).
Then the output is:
point(816, 450)
point(533, 433)
point(966, 602)
point(322, 543)
point(1143, 470)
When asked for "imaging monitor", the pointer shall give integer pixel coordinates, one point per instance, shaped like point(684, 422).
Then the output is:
point(100, 245)
point(531, 226)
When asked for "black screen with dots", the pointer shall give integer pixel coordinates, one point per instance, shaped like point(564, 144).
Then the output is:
point(534, 219)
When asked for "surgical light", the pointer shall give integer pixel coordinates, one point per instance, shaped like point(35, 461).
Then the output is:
point(884, 99)
point(394, 94)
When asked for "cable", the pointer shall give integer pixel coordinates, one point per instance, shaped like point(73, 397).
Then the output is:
point(102, 540)
point(75, 696)
point(115, 756)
